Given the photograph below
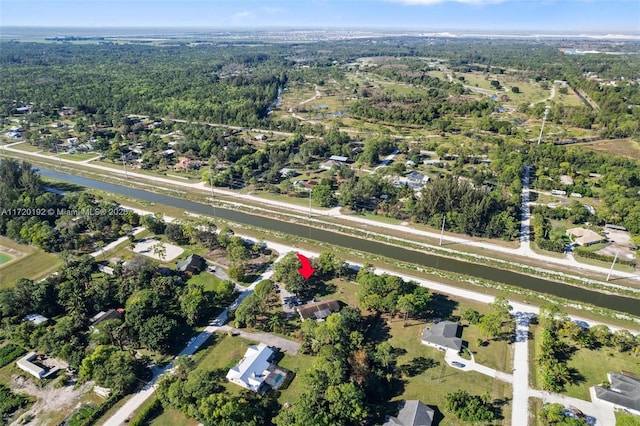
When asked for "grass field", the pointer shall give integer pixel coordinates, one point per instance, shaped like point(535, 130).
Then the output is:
point(432, 385)
point(33, 264)
point(592, 366)
point(624, 147)
point(80, 157)
point(172, 417)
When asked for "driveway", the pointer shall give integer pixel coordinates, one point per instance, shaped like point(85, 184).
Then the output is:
point(285, 345)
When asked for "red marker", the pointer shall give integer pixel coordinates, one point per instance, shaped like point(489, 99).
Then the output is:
point(306, 271)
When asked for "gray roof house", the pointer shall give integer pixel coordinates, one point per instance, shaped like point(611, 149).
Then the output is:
point(412, 413)
point(623, 394)
point(443, 336)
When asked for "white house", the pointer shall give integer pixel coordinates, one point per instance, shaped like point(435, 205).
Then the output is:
point(252, 371)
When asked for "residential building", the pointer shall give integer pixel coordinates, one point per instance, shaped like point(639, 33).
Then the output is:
point(412, 413)
point(318, 310)
point(416, 178)
point(105, 315)
point(443, 336)
point(192, 264)
point(623, 393)
point(256, 372)
point(584, 237)
point(287, 172)
point(37, 319)
point(339, 158)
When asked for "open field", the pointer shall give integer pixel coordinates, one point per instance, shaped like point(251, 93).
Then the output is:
point(625, 147)
point(28, 262)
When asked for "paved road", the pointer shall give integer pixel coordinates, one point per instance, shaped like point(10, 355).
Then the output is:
point(296, 210)
point(520, 402)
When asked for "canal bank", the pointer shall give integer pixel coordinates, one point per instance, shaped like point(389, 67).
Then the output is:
point(540, 285)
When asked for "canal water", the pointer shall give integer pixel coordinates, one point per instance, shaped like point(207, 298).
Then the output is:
point(608, 301)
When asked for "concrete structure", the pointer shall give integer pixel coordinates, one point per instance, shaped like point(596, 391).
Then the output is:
point(319, 310)
point(584, 237)
point(37, 319)
point(255, 371)
point(623, 394)
point(443, 336)
point(412, 413)
point(26, 364)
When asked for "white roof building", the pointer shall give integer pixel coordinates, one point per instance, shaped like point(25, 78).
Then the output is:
point(36, 318)
point(25, 364)
point(253, 369)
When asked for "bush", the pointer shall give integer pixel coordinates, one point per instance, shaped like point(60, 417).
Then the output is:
point(585, 252)
point(10, 353)
point(10, 402)
point(147, 413)
point(554, 246)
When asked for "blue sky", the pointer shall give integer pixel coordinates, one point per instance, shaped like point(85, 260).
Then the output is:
point(558, 16)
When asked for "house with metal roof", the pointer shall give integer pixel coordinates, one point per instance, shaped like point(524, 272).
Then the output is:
point(443, 336)
point(318, 310)
point(192, 264)
point(623, 393)
point(256, 371)
point(412, 413)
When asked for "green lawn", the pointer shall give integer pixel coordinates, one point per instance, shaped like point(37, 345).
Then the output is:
point(33, 264)
point(80, 157)
point(209, 281)
point(591, 365)
point(432, 385)
point(4, 258)
point(297, 364)
point(172, 417)
point(594, 365)
point(222, 351)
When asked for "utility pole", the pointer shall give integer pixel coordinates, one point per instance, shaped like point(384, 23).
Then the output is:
point(544, 119)
point(444, 218)
point(613, 264)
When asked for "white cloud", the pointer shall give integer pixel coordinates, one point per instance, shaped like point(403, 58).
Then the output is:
point(241, 16)
point(430, 2)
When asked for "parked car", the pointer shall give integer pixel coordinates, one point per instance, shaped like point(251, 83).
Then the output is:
point(458, 364)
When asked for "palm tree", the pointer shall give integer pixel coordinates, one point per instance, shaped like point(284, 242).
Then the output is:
point(275, 323)
point(159, 250)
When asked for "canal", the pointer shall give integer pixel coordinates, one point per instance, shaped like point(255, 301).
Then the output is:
point(608, 301)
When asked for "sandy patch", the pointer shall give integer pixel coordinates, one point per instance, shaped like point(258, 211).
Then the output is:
point(145, 247)
point(48, 399)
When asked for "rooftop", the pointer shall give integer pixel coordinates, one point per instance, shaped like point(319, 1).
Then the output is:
point(318, 310)
point(624, 391)
point(412, 413)
point(253, 369)
point(443, 334)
